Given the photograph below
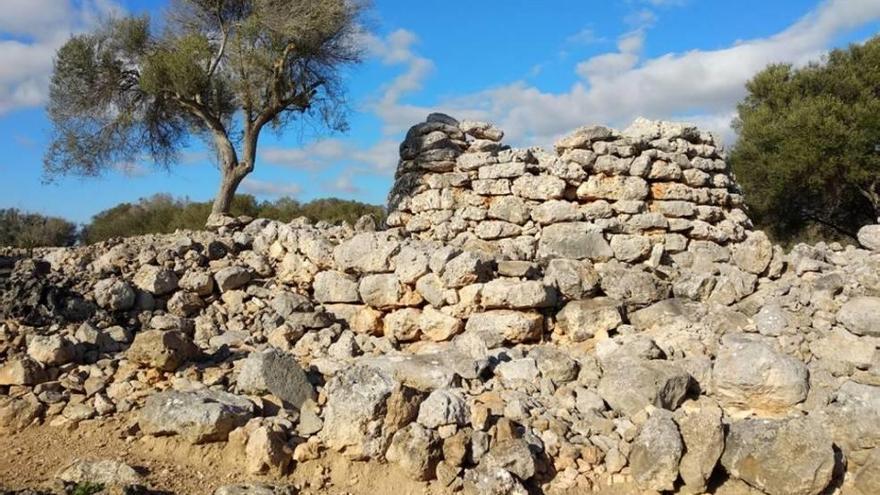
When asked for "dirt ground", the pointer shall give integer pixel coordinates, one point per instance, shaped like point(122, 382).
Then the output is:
point(33, 457)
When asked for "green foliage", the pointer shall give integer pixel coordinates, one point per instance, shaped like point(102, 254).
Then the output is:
point(87, 488)
point(30, 230)
point(163, 214)
point(219, 70)
point(806, 156)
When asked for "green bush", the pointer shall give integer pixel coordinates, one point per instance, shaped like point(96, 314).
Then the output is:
point(30, 230)
point(808, 150)
point(163, 214)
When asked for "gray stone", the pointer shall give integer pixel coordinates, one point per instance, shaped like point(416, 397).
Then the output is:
point(51, 350)
point(369, 252)
point(335, 287)
point(861, 315)
point(581, 320)
point(416, 449)
point(750, 375)
point(17, 413)
point(852, 418)
point(231, 278)
point(523, 369)
point(155, 280)
point(791, 457)
point(356, 397)
point(869, 237)
point(554, 364)
point(843, 347)
point(382, 290)
point(199, 417)
point(164, 350)
point(574, 279)
point(867, 478)
point(630, 248)
point(507, 325)
point(629, 384)
point(699, 423)
point(402, 325)
point(491, 480)
point(615, 188)
point(255, 489)
point(555, 211)
point(22, 371)
point(573, 240)
point(772, 320)
point(510, 209)
point(443, 407)
point(465, 269)
point(103, 472)
point(276, 372)
point(514, 456)
point(198, 282)
point(656, 453)
point(542, 188)
point(509, 293)
point(754, 254)
point(583, 137)
point(114, 294)
point(410, 264)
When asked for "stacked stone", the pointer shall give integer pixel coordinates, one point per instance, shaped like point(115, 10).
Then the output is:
point(664, 182)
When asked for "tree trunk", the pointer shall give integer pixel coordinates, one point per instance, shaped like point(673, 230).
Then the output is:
point(228, 185)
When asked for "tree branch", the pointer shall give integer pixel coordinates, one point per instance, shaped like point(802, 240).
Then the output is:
point(816, 218)
point(224, 37)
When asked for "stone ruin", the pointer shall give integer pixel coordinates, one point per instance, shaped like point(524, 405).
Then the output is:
point(598, 318)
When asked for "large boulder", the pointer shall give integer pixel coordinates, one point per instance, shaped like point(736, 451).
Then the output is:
point(699, 423)
point(103, 472)
point(163, 350)
point(852, 418)
point(785, 457)
point(354, 412)
point(656, 453)
point(869, 237)
point(335, 287)
point(114, 294)
point(22, 371)
point(861, 315)
point(155, 280)
point(514, 294)
point(581, 320)
point(630, 384)
point(749, 375)
point(199, 417)
point(277, 372)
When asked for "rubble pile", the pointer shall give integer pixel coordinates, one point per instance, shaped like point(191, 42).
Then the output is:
point(527, 321)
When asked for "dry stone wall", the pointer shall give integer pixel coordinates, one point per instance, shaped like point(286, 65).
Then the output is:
point(599, 317)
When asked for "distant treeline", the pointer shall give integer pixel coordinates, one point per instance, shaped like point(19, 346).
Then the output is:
point(163, 213)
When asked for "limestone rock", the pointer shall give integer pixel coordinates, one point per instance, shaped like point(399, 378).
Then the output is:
point(573, 240)
point(507, 325)
point(114, 294)
point(155, 280)
point(22, 371)
point(629, 385)
point(356, 398)
point(514, 294)
point(199, 417)
point(861, 315)
point(656, 453)
point(231, 278)
point(514, 456)
point(780, 457)
point(869, 237)
point(415, 449)
point(335, 287)
point(164, 350)
point(750, 375)
point(443, 407)
point(277, 372)
point(581, 320)
point(103, 472)
point(699, 423)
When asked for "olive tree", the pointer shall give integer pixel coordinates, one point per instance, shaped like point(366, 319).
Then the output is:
point(808, 153)
point(220, 70)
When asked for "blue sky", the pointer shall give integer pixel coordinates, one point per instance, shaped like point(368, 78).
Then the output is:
point(535, 68)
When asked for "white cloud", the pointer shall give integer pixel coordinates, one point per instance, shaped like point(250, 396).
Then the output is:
point(313, 156)
point(704, 85)
point(30, 33)
point(272, 189)
point(586, 36)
